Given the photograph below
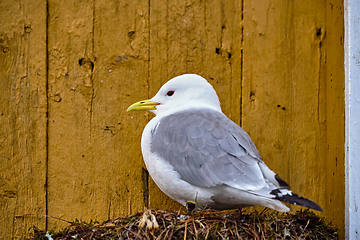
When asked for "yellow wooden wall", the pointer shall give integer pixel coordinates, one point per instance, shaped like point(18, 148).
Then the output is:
point(69, 70)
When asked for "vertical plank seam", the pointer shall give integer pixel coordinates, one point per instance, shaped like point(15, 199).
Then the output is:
point(146, 178)
point(47, 114)
point(93, 59)
point(241, 62)
point(167, 40)
point(319, 135)
point(109, 209)
point(288, 169)
point(321, 54)
point(203, 54)
point(149, 49)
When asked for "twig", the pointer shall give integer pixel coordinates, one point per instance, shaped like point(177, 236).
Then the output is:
point(196, 232)
point(306, 224)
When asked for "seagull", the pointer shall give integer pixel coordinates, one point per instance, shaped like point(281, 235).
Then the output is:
point(196, 154)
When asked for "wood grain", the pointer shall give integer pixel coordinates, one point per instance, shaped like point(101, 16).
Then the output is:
point(23, 106)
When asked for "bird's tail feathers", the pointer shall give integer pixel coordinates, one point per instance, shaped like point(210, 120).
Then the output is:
point(290, 197)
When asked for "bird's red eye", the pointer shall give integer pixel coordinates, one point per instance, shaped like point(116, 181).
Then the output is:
point(170, 93)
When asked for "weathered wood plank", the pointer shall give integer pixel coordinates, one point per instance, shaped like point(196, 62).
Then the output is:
point(287, 87)
point(71, 187)
point(120, 79)
point(334, 101)
point(22, 117)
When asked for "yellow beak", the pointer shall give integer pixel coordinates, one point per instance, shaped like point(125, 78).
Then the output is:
point(143, 105)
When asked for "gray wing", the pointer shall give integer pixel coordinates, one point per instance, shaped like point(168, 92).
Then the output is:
point(207, 149)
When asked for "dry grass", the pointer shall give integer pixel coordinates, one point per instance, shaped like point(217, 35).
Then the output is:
point(207, 224)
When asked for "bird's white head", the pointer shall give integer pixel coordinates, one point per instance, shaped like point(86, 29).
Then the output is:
point(186, 91)
point(181, 93)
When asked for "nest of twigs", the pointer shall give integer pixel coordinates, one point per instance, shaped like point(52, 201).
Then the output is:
point(207, 224)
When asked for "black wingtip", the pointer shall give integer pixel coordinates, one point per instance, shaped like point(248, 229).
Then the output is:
point(308, 203)
point(295, 199)
point(281, 182)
